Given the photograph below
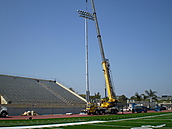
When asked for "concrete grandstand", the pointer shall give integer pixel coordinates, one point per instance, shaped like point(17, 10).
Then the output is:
point(20, 94)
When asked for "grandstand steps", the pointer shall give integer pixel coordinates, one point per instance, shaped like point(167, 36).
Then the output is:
point(31, 91)
point(56, 94)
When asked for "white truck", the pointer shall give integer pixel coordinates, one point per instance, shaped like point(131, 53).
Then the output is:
point(3, 111)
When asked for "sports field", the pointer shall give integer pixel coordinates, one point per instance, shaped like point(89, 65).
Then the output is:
point(162, 120)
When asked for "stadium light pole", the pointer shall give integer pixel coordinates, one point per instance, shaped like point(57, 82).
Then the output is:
point(87, 16)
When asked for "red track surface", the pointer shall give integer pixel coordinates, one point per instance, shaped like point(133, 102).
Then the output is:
point(39, 117)
point(56, 116)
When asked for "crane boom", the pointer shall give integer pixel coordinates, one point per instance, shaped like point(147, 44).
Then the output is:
point(98, 33)
point(105, 63)
point(106, 106)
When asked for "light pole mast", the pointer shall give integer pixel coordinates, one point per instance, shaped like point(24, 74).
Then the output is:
point(89, 16)
point(86, 56)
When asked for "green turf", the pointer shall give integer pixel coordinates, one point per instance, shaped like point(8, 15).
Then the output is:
point(125, 124)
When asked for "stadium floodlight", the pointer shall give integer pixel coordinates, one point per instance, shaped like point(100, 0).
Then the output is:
point(85, 14)
point(89, 16)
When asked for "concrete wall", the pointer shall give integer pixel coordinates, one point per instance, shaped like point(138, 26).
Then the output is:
point(15, 111)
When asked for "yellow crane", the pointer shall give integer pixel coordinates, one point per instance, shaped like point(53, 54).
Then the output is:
point(106, 106)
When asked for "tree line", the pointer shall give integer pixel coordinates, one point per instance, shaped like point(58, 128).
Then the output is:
point(148, 96)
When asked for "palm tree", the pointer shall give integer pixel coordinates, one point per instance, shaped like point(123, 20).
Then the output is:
point(138, 97)
point(151, 94)
point(144, 97)
point(132, 98)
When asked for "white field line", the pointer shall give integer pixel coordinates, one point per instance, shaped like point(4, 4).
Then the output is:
point(78, 123)
point(52, 125)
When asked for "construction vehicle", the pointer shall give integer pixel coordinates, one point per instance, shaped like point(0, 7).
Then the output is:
point(105, 106)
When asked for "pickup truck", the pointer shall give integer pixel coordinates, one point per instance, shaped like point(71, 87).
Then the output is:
point(140, 109)
point(3, 111)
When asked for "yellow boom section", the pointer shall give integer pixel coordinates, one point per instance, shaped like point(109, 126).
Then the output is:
point(109, 88)
point(107, 80)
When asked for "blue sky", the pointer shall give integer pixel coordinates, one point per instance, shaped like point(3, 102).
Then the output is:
point(45, 39)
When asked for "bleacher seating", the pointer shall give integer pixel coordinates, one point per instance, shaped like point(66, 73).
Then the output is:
point(21, 90)
point(66, 95)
